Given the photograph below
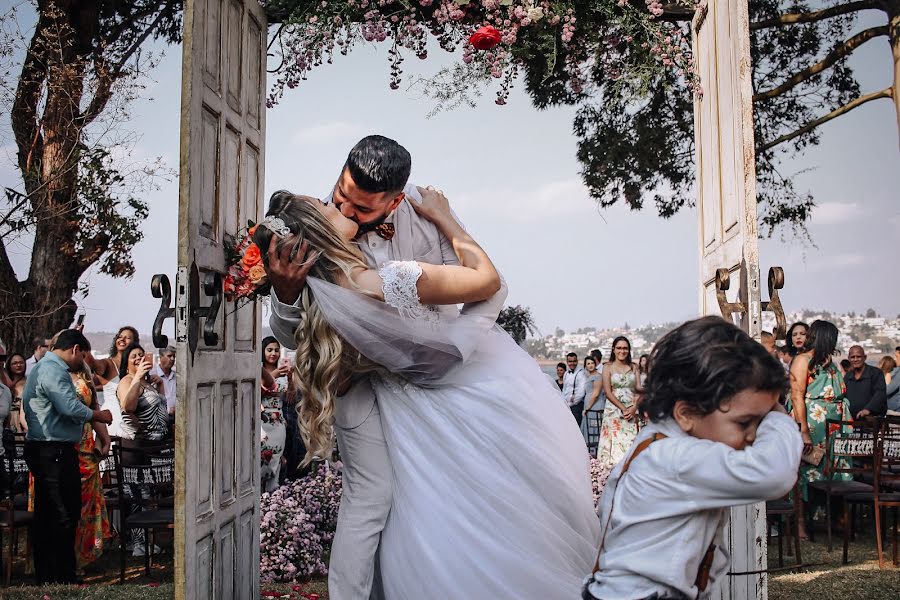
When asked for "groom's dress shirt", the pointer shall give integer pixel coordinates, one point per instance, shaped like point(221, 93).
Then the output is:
point(415, 238)
point(573, 386)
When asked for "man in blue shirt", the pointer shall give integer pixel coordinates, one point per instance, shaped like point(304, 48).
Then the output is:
point(55, 418)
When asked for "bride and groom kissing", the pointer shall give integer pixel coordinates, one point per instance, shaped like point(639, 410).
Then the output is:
point(464, 476)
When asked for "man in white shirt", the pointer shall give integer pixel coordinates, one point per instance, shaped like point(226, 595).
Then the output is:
point(573, 386)
point(40, 346)
point(165, 370)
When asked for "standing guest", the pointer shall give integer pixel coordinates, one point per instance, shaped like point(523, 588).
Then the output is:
point(817, 394)
point(718, 438)
point(845, 367)
point(40, 346)
point(93, 528)
point(643, 369)
point(866, 389)
point(106, 370)
point(784, 354)
point(887, 365)
point(145, 420)
point(796, 338)
point(897, 355)
point(597, 355)
point(573, 387)
point(593, 389)
point(55, 418)
point(560, 376)
point(768, 341)
point(619, 428)
point(274, 432)
point(165, 370)
point(892, 391)
point(15, 372)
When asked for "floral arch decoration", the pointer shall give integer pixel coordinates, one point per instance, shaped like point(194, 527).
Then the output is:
point(559, 44)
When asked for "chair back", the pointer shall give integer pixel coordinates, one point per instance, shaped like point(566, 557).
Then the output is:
point(850, 447)
point(148, 473)
point(887, 458)
point(16, 468)
point(592, 419)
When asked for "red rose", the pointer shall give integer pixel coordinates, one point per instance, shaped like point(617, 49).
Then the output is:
point(252, 256)
point(485, 37)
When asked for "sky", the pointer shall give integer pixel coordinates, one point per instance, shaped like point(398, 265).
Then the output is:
point(511, 175)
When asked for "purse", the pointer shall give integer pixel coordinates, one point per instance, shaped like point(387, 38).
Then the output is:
point(814, 456)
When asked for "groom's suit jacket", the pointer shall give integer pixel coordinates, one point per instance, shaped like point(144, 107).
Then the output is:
point(415, 238)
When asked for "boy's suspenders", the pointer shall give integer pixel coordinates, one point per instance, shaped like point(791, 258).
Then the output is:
point(705, 566)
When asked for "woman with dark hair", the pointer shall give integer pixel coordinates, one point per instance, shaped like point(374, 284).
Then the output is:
point(643, 369)
point(619, 428)
point(145, 420)
point(817, 394)
point(795, 340)
point(560, 373)
point(273, 435)
point(593, 391)
point(106, 374)
point(15, 371)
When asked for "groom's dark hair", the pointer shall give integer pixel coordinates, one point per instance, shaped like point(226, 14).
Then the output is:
point(379, 164)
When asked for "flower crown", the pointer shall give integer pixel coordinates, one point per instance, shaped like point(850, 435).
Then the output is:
point(246, 278)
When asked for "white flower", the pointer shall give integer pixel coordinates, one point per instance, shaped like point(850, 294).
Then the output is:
point(535, 13)
point(818, 413)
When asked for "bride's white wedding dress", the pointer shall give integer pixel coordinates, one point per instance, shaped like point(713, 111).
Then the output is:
point(491, 477)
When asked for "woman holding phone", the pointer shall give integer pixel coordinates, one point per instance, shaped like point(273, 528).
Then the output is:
point(145, 420)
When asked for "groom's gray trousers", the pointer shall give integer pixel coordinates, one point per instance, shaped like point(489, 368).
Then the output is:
point(365, 496)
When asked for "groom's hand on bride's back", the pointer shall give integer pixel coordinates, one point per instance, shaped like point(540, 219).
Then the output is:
point(289, 263)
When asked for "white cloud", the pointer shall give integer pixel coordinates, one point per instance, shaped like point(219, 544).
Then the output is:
point(325, 133)
point(847, 259)
point(836, 213)
point(555, 199)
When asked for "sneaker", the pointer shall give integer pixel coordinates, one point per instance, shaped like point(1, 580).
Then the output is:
point(139, 550)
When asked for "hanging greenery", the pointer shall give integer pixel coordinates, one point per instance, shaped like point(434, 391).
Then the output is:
point(626, 41)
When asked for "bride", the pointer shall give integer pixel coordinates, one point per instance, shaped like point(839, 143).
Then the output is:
point(491, 478)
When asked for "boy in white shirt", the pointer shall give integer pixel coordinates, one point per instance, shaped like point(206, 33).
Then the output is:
point(718, 438)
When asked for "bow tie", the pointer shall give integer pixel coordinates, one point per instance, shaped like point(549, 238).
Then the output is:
point(384, 230)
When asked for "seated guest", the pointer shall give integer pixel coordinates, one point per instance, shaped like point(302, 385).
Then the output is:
point(887, 365)
point(845, 366)
point(865, 386)
point(892, 379)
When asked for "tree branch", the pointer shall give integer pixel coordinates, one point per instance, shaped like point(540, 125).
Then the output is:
point(817, 15)
point(832, 57)
point(24, 109)
point(676, 13)
point(885, 93)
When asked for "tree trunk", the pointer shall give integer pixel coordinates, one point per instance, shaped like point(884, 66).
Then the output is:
point(892, 7)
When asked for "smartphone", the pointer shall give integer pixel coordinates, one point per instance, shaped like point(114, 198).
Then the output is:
point(284, 362)
point(79, 321)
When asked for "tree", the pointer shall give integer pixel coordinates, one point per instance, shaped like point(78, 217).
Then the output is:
point(870, 313)
point(518, 322)
point(636, 143)
point(78, 70)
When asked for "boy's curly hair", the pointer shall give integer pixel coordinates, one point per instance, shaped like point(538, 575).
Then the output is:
point(705, 362)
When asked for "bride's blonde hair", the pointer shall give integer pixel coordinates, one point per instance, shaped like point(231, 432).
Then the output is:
point(323, 362)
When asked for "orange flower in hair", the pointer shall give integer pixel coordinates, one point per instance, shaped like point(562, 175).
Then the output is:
point(252, 256)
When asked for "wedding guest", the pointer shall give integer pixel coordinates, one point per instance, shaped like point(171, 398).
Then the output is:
point(817, 393)
point(796, 338)
point(573, 387)
point(866, 389)
point(887, 365)
point(619, 428)
point(784, 354)
point(844, 366)
point(165, 370)
point(40, 346)
point(560, 375)
point(718, 438)
point(15, 373)
point(145, 420)
point(274, 433)
point(106, 371)
point(643, 369)
point(5, 403)
point(892, 391)
point(55, 417)
point(597, 355)
point(93, 528)
point(593, 388)
point(768, 341)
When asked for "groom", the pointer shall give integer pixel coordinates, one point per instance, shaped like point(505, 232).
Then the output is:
point(371, 190)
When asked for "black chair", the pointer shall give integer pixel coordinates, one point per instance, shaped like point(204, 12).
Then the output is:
point(593, 419)
point(851, 442)
point(14, 513)
point(886, 483)
point(148, 473)
point(786, 509)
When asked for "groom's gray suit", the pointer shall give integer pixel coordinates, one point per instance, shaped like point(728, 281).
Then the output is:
point(366, 495)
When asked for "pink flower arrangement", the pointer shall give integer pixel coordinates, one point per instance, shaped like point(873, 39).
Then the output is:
point(599, 476)
point(297, 526)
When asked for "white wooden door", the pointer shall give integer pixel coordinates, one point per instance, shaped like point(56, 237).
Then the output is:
point(221, 186)
point(726, 203)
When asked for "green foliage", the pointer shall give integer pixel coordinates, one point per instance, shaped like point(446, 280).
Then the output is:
point(517, 322)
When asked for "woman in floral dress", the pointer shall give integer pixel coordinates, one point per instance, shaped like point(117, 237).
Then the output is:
point(273, 435)
point(619, 426)
point(93, 527)
point(817, 394)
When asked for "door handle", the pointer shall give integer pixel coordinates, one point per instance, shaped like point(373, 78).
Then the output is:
point(161, 288)
point(776, 282)
point(212, 287)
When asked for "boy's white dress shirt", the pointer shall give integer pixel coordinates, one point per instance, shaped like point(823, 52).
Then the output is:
point(674, 500)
